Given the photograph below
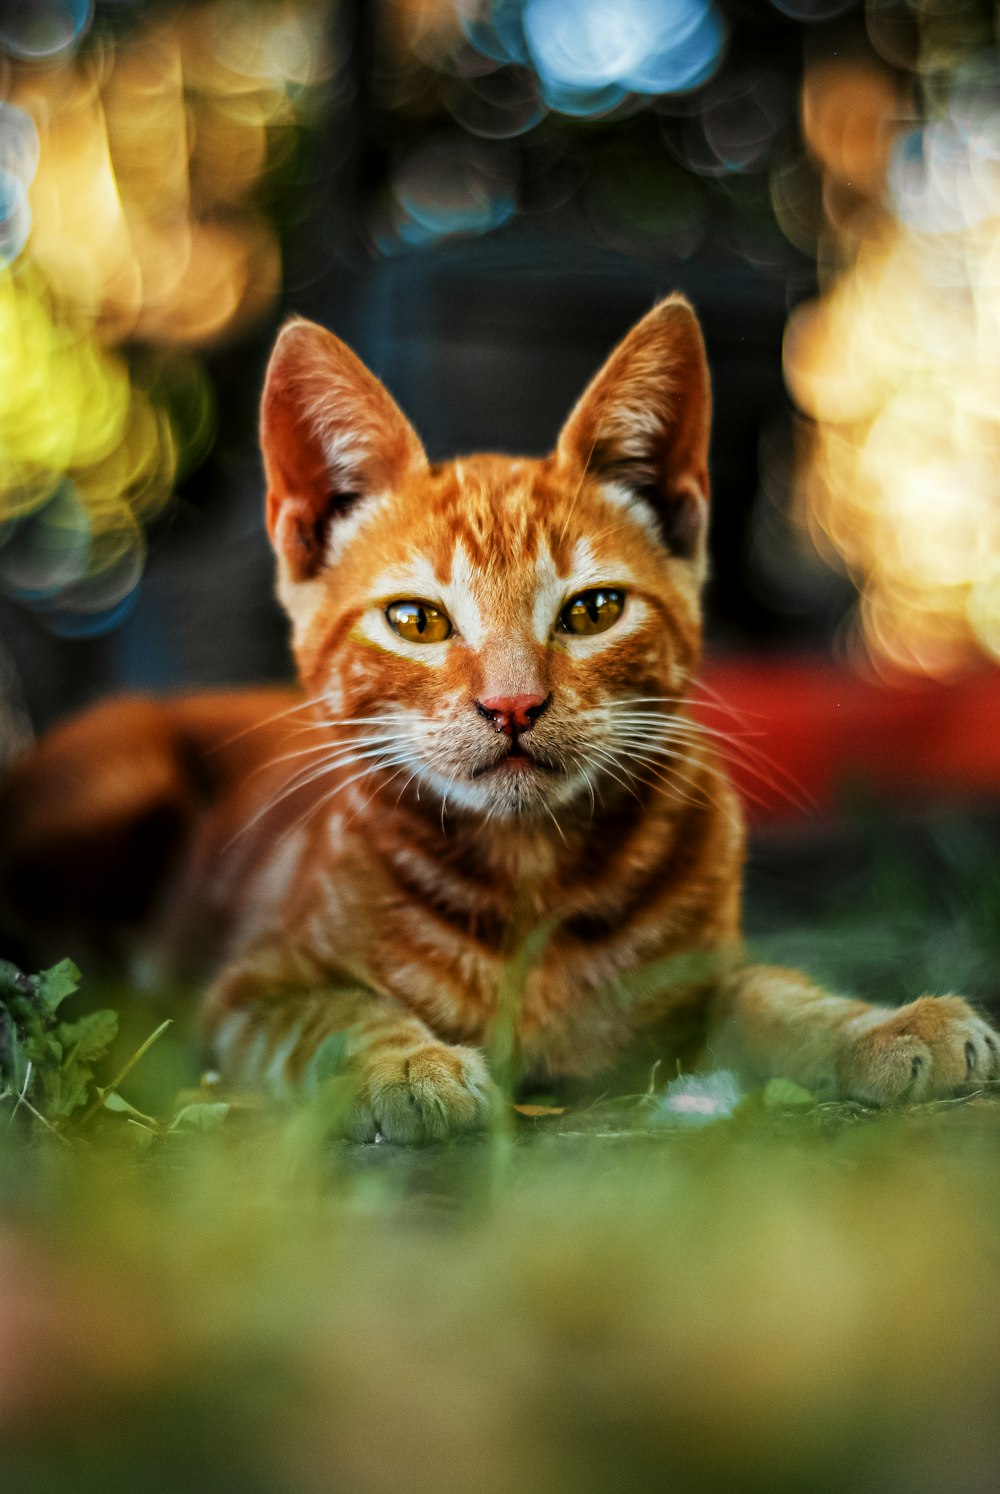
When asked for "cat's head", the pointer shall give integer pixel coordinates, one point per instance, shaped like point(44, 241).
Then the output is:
point(508, 633)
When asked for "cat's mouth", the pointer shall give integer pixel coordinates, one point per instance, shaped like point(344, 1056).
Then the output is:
point(515, 760)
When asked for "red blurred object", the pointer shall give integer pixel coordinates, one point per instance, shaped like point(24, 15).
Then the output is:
point(801, 731)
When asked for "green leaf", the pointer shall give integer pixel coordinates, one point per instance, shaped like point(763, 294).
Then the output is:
point(53, 986)
point(83, 1042)
point(785, 1094)
point(201, 1116)
point(61, 1054)
point(116, 1102)
point(66, 1090)
point(90, 1037)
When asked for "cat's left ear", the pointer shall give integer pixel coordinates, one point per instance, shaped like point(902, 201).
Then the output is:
point(331, 435)
point(643, 426)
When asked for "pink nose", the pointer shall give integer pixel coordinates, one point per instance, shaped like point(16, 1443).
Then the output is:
point(513, 713)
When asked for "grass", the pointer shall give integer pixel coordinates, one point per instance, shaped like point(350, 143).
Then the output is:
point(801, 1299)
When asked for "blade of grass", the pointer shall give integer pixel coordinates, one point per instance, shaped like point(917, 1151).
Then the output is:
point(123, 1071)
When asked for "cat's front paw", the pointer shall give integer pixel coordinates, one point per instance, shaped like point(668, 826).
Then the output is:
point(933, 1047)
point(423, 1093)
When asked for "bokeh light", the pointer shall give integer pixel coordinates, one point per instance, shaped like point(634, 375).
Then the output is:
point(37, 29)
point(897, 364)
point(812, 10)
point(583, 48)
point(506, 69)
point(142, 149)
point(131, 177)
point(587, 55)
point(87, 456)
point(445, 186)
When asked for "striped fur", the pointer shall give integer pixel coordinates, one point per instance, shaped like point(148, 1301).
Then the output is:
point(376, 859)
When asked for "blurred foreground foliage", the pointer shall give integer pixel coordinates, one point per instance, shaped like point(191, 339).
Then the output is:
point(49, 1063)
point(797, 1297)
point(34, 1043)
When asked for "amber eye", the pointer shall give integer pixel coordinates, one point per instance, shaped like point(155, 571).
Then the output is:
point(592, 611)
point(418, 622)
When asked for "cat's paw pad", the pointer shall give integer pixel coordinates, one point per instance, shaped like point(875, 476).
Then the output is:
point(933, 1047)
point(423, 1093)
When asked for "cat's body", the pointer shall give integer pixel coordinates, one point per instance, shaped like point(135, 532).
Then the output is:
point(491, 825)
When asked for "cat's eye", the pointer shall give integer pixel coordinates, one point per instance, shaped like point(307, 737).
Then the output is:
point(592, 611)
point(418, 622)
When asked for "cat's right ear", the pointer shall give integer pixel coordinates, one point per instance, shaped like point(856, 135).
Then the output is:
point(643, 425)
point(331, 435)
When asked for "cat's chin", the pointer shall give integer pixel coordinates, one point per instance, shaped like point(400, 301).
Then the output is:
point(514, 789)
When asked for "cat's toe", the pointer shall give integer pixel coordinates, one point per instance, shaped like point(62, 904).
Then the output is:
point(426, 1093)
point(934, 1047)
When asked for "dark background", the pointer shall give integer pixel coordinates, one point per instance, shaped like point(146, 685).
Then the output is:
point(486, 340)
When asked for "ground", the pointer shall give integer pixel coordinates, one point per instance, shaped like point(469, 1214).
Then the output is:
point(795, 1297)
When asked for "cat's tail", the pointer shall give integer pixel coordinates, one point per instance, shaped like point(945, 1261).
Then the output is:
point(92, 820)
point(16, 734)
point(97, 818)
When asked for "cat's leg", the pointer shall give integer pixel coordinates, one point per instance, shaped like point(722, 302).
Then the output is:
point(769, 1022)
point(406, 1084)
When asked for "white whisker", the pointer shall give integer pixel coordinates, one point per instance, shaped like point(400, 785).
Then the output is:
point(605, 758)
point(373, 759)
point(300, 705)
point(332, 746)
point(559, 829)
point(738, 748)
point(324, 801)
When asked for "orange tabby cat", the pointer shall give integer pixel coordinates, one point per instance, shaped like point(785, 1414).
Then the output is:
point(492, 824)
